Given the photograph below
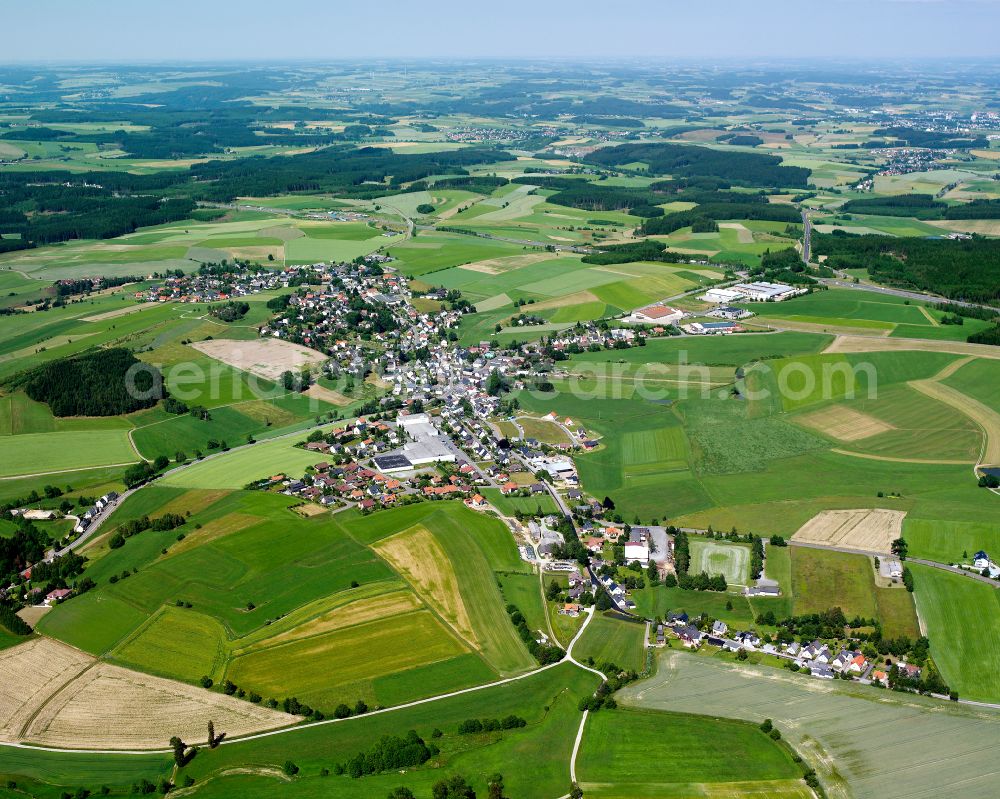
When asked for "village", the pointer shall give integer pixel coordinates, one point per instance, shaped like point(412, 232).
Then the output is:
point(441, 429)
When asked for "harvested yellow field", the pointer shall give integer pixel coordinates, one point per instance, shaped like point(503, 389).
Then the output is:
point(417, 556)
point(866, 529)
point(855, 343)
point(108, 707)
point(267, 358)
point(987, 418)
point(29, 674)
point(985, 227)
point(316, 391)
point(128, 309)
point(496, 266)
point(844, 423)
point(52, 694)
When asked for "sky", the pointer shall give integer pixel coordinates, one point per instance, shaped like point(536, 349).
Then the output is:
point(36, 31)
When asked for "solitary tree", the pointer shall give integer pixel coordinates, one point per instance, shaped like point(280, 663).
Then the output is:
point(899, 548)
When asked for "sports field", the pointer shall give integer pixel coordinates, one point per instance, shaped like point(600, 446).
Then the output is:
point(717, 557)
point(833, 724)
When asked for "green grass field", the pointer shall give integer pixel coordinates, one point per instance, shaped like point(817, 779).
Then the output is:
point(832, 724)
point(43, 452)
point(235, 470)
point(963, 625)
point(630, 752)
point(658, 601)
point(511, 505)
point(612, 639)
point(824, 579)
point(272, 607)
point(470, 566)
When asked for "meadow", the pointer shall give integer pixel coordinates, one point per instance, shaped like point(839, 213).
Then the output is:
point(824, 579)
point(628, 752)
point(610, 638)
point(246, 465)
point(452, 571)
point(963, 625)
point(268, 597)
point(834, 725)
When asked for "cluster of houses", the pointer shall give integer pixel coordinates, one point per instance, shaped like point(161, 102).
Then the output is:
point(817, 657)
point(100, 506)
point(240, 280)
point(370, 490)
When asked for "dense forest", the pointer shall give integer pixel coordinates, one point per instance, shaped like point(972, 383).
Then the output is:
point(958, 269)
point(679, 160)
point(923, 206)
point(771, 212)
point(100, 383)
point(364, 173)
point(645, 250)
point(45, 207)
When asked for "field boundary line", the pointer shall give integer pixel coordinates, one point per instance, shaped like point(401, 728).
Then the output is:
point(934, 322)
point(891, 459)
point(67, 471)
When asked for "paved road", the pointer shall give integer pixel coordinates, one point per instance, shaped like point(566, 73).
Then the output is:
point(806, 237)
point(95, 525)
point(918, 296)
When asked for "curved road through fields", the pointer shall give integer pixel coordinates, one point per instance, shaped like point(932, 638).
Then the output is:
point(285, 730)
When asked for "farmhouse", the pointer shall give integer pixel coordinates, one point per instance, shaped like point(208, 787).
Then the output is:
point(57, 595)
point(655, 314)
